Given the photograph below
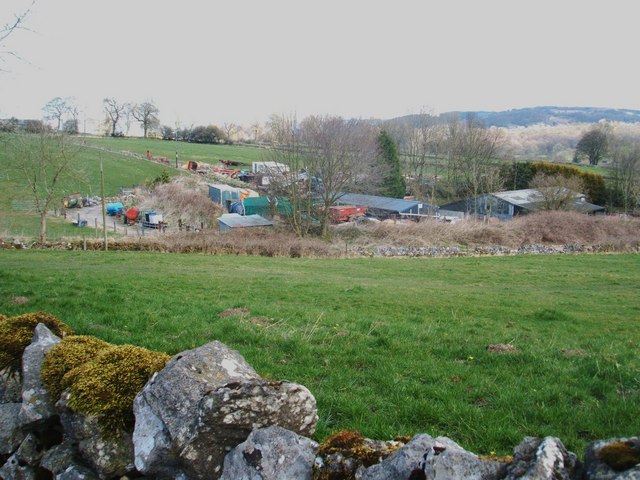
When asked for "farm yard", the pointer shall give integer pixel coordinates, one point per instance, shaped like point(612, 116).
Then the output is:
point(482, 350)
point(486, 347)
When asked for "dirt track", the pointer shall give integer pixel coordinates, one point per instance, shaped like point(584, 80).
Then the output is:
point(93, 217)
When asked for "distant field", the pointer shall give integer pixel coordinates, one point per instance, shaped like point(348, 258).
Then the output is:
point(387, 346)
point(186, 151)
point(119, 171)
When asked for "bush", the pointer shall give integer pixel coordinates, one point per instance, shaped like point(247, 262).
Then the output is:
point(16, 334)
point(106, 385)
point(72, 352)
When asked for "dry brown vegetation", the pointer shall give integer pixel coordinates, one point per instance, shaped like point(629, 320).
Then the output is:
point(545, 228)
point(548, 228)
point(185, 198)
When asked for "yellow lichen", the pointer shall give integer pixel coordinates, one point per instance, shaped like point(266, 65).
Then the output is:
point(344, 440)
point(68, 354)
point(620, 456)
point(106, 385)
point(350, 445)
point(16, 334)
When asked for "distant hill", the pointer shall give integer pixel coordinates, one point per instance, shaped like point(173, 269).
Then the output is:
point(524, 117)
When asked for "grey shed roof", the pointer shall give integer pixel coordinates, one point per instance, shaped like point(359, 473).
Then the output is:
point(380, 203)
point(233, 220)
point(528, 198)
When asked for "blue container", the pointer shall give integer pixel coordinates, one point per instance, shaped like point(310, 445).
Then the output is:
point(115, 208)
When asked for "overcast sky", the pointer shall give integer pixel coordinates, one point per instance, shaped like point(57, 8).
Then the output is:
point(208, 61)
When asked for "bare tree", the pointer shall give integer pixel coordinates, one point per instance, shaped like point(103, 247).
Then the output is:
point(625, 176)
point(256, 131)
point(324, 157)
point(43, 162)
point(289, 182)
point(593, 144)
point(115, 112)
point(146, 114)
point(557, 191)
point(8, 28)
point(423, 147)
point(278, 129)
point(57, 109)
point(473, 151)
point(343, 155)
point(231, 130)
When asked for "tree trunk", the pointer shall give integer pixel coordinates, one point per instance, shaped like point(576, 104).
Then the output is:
point(43, 227)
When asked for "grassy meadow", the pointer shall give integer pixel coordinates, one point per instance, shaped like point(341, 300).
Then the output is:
point(387, 346)
point(186, 151)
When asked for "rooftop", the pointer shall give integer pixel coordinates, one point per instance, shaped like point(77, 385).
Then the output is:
point(380, 203)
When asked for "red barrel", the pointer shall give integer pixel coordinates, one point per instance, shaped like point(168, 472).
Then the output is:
point(132, 213)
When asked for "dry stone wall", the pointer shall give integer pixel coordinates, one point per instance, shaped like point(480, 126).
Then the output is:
point(209, 415)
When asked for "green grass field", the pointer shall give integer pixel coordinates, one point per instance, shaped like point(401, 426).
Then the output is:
point(119, 171)
point(186, 151)
point(387, 346)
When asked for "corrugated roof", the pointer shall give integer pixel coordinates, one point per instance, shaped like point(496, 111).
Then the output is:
point(521, 198)
point(528, 198)
point(223, 187)
point(380, 203)
point(233, 220)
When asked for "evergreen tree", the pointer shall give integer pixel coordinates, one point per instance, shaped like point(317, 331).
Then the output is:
point(393, 185)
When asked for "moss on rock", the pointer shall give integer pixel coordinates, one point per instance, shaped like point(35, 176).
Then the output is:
point(345, 451)
point(70, 353)
point(106, 385)
point(621, 456)
point(16, 334)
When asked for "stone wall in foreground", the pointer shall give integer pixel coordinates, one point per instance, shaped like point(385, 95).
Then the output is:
point(209, 415)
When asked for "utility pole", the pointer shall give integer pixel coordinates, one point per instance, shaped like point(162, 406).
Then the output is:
point(176, 137)
point(104, 207)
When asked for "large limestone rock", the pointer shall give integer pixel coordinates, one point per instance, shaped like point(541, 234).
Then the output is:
point(37, 407)
point(543, 459)
point(11, 435)
point(10, 387)
point(58, 458)
point(227, 416)
point(14, 469)
point(613, 459)
point(271, 453)
point(202, 404)
point(109, 455)
point(431, 458)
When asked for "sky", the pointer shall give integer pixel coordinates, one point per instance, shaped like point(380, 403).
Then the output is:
point(238, 61)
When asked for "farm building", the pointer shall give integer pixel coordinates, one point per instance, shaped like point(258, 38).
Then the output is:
point(266, 206)
point(224, 195)
point(506, 205)
point(230, 221)
point(269, 167)
point(384, 207)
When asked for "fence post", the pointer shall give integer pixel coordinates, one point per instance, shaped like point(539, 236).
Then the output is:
point(95, 221)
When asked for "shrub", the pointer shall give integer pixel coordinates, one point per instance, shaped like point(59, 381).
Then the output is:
point(70, 353)
point(16, 334)
point(106, 385)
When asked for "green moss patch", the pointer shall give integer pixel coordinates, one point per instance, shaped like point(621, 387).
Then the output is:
point(106, 385)
point(354, 450)
point(16, 334)
point(72, 352)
